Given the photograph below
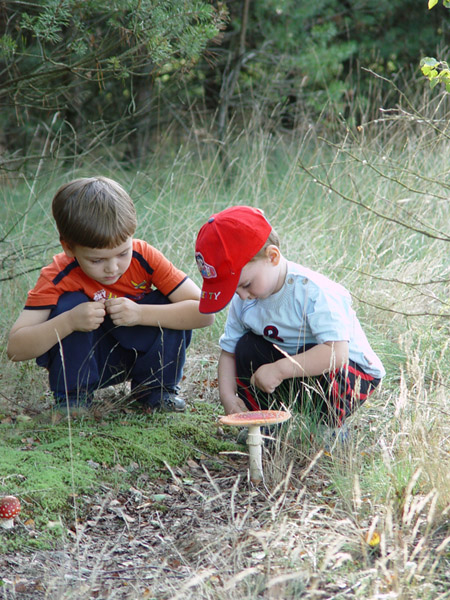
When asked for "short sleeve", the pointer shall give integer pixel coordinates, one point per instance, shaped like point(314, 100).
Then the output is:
point(234, 328)
point(330, 315)
point(44, 294)
point(165, 276)
point(53, 281)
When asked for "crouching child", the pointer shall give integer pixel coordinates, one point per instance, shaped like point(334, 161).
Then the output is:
point(291, 334)
point(109, 308)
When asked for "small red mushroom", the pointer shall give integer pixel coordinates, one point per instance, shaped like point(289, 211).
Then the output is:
point(9, 508)
point(253, 420)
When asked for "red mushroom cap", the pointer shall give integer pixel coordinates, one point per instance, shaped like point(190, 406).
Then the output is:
point(9, 507)
point(257, 417)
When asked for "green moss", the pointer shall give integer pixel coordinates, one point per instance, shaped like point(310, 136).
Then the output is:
point(46, 465)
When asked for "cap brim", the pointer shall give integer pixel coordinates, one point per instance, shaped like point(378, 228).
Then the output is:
point(217, 294)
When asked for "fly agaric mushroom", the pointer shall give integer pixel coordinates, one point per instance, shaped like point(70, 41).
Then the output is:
point(253, 420)
point(9, 508)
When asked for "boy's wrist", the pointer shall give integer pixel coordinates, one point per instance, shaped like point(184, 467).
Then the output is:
point(289, 368)
point(140, 313)
point(69, 318)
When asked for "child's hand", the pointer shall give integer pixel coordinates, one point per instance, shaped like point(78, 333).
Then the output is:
point(234, 405)
point(87, 316)
point(123, 311)
point(267, 378)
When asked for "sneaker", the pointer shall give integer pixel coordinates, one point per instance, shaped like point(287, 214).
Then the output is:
point(170, 402)
point(156, 399)
point(334, 438)
point(74, 400)
point(74, 404)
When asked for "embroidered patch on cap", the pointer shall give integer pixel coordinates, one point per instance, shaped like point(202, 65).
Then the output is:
point(207, 271)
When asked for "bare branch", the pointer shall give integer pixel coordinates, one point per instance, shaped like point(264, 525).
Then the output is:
point(443, 237)
point(399, 312)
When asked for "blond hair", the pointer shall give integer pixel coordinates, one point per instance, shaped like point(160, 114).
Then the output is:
point(95, 212)
point(272, 240)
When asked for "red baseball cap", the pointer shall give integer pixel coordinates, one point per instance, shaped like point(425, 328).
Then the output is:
point(225, 244)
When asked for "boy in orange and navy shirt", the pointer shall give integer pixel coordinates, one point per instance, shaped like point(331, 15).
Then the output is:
point(94, 317)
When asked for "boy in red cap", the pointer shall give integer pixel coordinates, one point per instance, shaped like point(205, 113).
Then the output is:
point(289, 329)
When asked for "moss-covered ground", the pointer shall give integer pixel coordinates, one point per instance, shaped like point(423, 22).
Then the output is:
point(47, 464)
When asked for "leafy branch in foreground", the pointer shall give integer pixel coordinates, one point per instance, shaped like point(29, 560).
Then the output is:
point(434, 70)
point(94, 61)
point(67, 43)
point(432, 3)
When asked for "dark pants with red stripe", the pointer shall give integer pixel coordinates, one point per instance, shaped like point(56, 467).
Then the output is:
point(330, 397)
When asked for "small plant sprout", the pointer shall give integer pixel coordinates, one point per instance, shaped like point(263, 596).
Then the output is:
point(253, 420)
point(9, 508)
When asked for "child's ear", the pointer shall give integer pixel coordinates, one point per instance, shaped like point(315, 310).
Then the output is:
point(273, 254)
point(67, 249)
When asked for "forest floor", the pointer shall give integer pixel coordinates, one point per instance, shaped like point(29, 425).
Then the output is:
point(166, 539)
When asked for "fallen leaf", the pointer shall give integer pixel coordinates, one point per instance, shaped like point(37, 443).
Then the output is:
point(374, 539)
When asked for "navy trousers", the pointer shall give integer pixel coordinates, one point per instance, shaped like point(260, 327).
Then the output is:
point(151, 357)
point(330, 397)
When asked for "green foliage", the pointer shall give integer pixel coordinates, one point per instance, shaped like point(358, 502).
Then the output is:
point(48, 25)
point(432, 3)
point(300, 48)
point(90, 61)
point(119, 71)
point(436, 72)
point(8, 47)
point(310, 58)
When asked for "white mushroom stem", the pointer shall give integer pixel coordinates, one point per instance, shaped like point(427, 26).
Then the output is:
point(253, 420)
point(7, 523)
point(254, 443)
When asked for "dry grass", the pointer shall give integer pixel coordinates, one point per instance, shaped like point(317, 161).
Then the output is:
point(370, 521)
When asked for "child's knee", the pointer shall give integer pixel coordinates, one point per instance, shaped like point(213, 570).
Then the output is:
point(68, 301)
point(252, 351)
point(154, 297)
point(245, 348)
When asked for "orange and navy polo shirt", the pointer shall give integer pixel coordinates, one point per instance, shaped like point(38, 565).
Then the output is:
point(148, 269)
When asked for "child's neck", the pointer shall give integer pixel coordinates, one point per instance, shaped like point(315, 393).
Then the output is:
point(282, 271)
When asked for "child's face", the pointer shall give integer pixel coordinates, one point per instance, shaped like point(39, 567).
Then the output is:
point(260, 278)
point(104, 265)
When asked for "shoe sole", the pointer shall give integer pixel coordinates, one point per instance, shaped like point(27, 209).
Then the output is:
point(168, 409)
